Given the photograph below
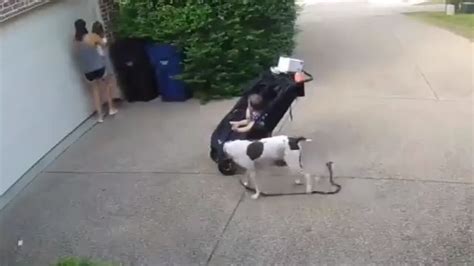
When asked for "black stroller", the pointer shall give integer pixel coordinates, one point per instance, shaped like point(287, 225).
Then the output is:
point(278, 91)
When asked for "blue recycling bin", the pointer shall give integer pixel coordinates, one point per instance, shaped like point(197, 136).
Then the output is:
point(166, 60)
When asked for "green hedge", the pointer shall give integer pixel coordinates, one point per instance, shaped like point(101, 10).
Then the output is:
point(226, 43)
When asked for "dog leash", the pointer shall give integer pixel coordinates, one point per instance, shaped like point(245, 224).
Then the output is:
point(331, 181)
point(291, 112)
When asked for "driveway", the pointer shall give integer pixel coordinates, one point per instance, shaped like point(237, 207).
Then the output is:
point(391, 105)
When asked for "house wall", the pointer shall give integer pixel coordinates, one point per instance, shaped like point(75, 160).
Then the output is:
point(11, 8)
point(108, 9)
point(43, 96)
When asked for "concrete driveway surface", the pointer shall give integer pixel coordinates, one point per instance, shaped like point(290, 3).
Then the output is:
point(391, 105)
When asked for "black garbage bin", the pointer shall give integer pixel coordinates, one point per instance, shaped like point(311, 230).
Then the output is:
point(135, 73)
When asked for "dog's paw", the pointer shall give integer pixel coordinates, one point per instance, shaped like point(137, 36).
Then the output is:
point(309, 190)
point(298, 182)
point(255, 196)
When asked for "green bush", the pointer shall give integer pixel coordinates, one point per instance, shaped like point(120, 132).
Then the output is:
point(226, 43)
point(72, 261)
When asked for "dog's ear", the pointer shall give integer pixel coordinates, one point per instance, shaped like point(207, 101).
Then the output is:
point(293, 143)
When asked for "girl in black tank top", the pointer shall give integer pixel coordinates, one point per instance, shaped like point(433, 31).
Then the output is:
point(95, 77)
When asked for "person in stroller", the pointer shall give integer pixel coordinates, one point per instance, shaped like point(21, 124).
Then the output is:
point(254, 111)
point(255, 107)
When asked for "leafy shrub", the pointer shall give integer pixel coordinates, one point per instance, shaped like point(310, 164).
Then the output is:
point(225, 43)
point(72, 261)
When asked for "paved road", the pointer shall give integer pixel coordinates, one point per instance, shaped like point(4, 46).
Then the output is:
point(392, 106)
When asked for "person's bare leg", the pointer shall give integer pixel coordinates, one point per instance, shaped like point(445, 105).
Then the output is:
point(239, 123)
point(97, 101)
point(109, 83)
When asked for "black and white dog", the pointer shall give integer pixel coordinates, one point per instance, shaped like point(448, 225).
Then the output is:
point(246, 153)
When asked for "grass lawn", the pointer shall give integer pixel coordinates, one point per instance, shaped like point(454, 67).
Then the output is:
point(79, 262)
point(462, 24)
